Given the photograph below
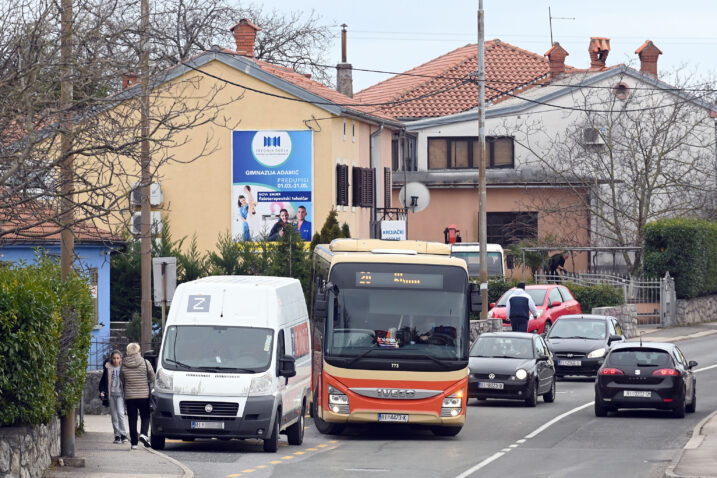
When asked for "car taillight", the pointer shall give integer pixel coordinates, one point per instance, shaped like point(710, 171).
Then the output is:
point(611, 371)
point(666, 371)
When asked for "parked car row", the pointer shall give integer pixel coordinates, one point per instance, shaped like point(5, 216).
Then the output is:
point(525, 366)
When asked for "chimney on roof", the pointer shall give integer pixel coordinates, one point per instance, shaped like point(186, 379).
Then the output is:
point(344, 71)
point(244, 36)
point(556, 57)
point(648, 54)
point(129, 79)
point(598, 49)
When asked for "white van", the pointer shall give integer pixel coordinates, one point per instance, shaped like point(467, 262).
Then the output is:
point(234, 362)
point(470, 252)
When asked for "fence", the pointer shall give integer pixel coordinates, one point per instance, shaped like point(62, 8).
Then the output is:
point(645, 293)
point(100, 350)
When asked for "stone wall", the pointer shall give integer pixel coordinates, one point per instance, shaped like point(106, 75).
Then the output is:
point(626, 314)
point(91, 396)
point(480, 326)
point(27, 451)
point(697, 310)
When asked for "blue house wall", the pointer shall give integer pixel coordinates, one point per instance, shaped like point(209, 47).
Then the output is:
point(89, 256)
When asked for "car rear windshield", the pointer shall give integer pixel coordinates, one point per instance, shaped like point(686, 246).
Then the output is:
point(538, 296)
point(639, 358)
point(588, 329)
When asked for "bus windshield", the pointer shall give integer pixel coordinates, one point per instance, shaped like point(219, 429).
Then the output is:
point(217, 348)
point(495, 262)
point(398, 311)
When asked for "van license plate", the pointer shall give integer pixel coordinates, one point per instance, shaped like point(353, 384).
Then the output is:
point(630, 393)
point(208, 425)
point(392, 417)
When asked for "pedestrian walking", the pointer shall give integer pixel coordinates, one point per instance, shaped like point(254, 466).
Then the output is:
point(137, 375)
point(518, 309)
point(112, 396)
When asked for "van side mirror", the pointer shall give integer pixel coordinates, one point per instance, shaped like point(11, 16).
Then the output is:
point(476, 300)
point(509, 261)
point(287, 366)
point(151, 357)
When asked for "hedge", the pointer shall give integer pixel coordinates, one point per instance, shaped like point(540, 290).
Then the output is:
point(31, 303)
point(601, 295)
point(687, 249)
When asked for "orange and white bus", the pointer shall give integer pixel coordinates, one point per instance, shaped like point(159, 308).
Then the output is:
point(390, 335)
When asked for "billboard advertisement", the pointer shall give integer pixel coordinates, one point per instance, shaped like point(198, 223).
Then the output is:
point(272, 183)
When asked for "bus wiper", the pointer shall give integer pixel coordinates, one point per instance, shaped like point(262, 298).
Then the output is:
point(430, 357)
point(360, 356)
point(181, 364)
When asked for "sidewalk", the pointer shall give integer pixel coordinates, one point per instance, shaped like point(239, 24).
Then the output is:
point(103, 459)
point(698, 458)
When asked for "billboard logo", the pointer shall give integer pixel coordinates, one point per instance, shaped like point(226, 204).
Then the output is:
point(271, 148)
point(272, 141)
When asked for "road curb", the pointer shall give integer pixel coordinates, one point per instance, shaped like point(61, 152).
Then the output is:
point(694, 442)
point(187, 472)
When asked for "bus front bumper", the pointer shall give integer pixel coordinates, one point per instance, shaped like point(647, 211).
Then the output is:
point(414, 418)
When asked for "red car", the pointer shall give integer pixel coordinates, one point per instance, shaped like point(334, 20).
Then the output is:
point(551, 300)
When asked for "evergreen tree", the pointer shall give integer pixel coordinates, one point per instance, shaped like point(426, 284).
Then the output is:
point(193, 264)
point(289, 258)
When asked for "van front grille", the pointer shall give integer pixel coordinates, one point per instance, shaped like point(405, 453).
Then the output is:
point(200, 408)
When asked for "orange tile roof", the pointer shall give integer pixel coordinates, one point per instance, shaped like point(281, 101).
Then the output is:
point(30, 227)
point(441, 87)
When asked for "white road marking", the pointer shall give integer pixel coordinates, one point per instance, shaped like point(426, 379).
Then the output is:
point(557, 419)
point(480, 465)
point(705, 368)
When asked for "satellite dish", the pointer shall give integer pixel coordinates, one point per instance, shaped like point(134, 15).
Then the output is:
point(414, 196)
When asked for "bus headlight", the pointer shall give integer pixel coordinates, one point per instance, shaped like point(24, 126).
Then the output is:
point(164, 381)
point(338, 401)
point(597, 353)
point(452, 405)
point(520, 374)
point(260, 385)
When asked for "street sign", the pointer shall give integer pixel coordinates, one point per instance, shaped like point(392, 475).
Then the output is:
point(164, 279)
point(393, 230)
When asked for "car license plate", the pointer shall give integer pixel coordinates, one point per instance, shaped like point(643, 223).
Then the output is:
point(630, 393)
point(208, 425)
point(493, 385)
point(392, 417)
point(570, 363)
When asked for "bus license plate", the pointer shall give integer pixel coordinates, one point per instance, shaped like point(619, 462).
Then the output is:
point(570, 363)
point(493, 385)
point(630, 393)
point(208, 425)
point(392, 417)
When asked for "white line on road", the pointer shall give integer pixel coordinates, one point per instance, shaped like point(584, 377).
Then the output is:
point(480, 465)
point(557, 419)
point(705, 368)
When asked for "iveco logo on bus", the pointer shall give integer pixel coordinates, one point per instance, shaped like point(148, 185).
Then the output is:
point(395, 393)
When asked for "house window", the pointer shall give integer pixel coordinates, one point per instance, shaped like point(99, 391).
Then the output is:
point(353, 131)
point(462, 152)
point(344, 129)
point(506, 228)
point(386, 187)
point(342, 185)
point(394, 154)
point(364, 187)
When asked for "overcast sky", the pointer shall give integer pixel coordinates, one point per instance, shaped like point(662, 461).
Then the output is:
point(396, 35)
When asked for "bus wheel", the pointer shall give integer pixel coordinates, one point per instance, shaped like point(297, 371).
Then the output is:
point(325, 428)
point(446, 431)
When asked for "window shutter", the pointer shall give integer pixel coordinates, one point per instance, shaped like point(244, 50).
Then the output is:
point(386, 187)
point(357, 186)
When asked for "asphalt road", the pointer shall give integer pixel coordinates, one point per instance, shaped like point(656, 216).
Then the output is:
point(501, 438)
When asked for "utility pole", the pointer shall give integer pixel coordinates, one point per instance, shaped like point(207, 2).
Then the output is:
point(482, 226)
point(146, 212)
point(67, 238)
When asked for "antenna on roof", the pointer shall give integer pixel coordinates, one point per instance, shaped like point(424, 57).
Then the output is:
point(641, 332)
point(550, 20)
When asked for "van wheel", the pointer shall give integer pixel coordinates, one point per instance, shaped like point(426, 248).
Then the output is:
point(295, 433)
point(323, 427)
point(156, 441)
point(271, 444)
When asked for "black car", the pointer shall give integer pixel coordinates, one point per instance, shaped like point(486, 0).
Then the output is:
point(580, 342)
point(654, 375)
point(513, 365)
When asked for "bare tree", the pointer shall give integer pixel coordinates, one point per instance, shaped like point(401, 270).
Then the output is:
point(629, 157)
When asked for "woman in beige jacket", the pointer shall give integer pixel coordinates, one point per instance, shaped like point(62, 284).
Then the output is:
point(136, 376)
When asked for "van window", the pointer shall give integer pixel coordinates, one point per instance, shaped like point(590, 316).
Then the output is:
point(217, 348)
point(495, 262)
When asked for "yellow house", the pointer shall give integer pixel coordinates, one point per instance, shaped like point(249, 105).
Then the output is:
point(347, 147)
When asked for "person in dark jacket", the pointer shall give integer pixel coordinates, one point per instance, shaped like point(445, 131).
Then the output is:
point(111, 395)
point(136, 376)
point(518, 309)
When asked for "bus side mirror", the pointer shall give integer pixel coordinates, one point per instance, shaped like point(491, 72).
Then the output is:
point(509, 261)
point(476, 300)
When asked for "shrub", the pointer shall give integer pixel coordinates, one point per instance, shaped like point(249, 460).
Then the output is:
point(42, 366)
point(687, 249)
point(498, 286)
point(601, 295)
